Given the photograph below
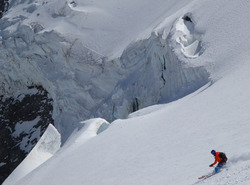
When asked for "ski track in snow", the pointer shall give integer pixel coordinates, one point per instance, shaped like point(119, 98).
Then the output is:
point(237, 174)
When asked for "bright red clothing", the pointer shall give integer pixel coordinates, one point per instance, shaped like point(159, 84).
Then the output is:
point(217, 158)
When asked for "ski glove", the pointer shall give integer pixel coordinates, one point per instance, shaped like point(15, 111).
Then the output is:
point(211, 165)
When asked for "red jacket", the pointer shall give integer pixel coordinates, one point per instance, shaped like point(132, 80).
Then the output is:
point(217, 158)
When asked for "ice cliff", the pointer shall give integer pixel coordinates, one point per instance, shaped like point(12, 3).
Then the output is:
point(158, 69)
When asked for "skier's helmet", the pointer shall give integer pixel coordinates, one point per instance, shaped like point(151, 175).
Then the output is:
point(213, 152)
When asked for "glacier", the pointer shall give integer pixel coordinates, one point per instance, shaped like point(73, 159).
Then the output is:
point(92, 64)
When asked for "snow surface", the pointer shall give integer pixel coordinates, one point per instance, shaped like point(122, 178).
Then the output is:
point(168, 146)
point(168, 143)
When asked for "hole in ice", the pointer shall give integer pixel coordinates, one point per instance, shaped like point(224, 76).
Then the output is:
point(187, 18)
point(73, 3)
point(188, 37)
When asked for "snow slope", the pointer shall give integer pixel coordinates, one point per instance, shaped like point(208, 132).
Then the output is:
point(168, 146)
point(171, 143)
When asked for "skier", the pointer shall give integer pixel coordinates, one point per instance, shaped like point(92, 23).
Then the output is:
point(221, 158)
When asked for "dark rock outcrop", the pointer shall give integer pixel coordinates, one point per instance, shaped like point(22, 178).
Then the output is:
point(4, 5)
point(23, 119)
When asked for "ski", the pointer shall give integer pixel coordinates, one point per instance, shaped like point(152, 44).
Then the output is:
point(206, 176)
point(202, 177)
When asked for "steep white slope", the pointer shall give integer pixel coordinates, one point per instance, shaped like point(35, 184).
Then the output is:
point(171, 145)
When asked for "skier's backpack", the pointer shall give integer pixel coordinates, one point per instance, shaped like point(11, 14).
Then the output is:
point(223, 157)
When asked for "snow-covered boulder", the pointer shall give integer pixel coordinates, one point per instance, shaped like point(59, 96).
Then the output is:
point(89, 129)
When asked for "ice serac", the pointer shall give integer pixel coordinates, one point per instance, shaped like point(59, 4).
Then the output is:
point(159, 69)
point(46, 147)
